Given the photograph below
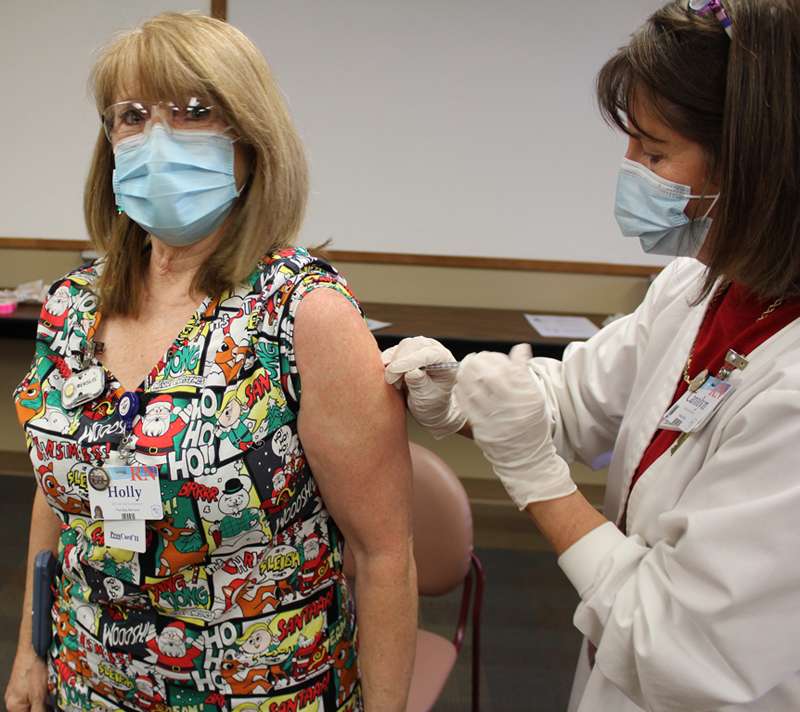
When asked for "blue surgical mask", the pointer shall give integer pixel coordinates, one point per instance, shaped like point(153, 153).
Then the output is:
point(653, 209)
point(177, 185)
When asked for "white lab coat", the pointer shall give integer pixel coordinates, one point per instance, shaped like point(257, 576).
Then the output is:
point(698, 608)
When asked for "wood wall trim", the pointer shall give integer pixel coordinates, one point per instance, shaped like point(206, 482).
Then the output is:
point(40, 243)
point(219, 9)
point(395, 258)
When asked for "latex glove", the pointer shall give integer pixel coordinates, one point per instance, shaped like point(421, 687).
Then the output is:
point(430, 393)
point(505, 406)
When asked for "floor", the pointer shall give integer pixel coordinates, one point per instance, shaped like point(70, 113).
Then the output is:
point(529, 646)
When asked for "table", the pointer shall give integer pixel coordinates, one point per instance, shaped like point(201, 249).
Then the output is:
point(20, 324)
point(465, 329)
point(462, 329)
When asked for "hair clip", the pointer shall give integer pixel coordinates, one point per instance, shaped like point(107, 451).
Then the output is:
point(707, 7)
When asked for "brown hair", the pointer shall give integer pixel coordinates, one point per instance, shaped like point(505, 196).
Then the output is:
point(178, 55)
point(739, 100)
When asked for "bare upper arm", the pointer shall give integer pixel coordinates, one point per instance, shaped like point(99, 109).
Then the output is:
point(352, 425)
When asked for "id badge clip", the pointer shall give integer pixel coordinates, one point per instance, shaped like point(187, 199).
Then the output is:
point(82, 387)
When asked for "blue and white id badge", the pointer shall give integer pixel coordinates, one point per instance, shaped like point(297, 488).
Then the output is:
point(694, 409)
point(124, 497)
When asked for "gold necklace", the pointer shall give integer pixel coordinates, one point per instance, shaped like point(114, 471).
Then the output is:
point(700, 378)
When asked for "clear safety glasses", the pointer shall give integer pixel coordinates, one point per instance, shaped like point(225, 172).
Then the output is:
point(129, 118)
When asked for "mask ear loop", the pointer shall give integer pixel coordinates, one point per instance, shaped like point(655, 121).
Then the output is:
point(707, 213)
point(712, 206)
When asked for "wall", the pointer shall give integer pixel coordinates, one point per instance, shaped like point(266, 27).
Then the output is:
point(460, 127)
point(454, 127)
point(47, 49)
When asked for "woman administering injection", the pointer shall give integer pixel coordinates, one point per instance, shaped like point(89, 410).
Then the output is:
point(689, 584)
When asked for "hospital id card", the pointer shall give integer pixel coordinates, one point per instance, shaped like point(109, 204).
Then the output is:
point(125, 492)
point(694, 409)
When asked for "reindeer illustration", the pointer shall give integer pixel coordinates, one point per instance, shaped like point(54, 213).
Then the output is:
point(344, 660)
point(253, 680)
point(57, 492)
point(172, 558)
point(253, 598)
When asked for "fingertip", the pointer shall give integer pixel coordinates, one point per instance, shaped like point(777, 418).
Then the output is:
point(387, 355)
point(521, 353)
point(391, 377)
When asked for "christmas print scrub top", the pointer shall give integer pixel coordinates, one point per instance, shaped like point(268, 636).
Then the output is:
point(239, 602)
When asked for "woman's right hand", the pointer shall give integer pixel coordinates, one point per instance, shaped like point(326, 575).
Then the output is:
point(27, 686)
point(430, 393)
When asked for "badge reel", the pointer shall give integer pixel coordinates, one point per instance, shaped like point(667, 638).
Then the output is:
point(125, 495)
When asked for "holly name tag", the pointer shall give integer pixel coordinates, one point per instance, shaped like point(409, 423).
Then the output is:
point(125, 492)
point(694, 409)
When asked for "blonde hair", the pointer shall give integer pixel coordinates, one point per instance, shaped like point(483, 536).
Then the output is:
point(255, 628)
point(179, 55)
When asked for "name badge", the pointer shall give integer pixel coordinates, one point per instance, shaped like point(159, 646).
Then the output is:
point(83, 387)
point(127, 493)
point(694, 409)
point(120, 534)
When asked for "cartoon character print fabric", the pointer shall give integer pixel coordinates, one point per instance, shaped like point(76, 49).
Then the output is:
point(239, 602)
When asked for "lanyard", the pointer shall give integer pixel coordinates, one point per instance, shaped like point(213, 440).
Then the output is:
point(128, 409)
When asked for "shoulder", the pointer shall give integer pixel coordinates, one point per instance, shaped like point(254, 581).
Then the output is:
point(336, 354)
point(283, 280)
point(71, 297)
point(775, 366)
point(81, 279)
point(334, 349)
point(681, 278)
point(327, 313)
point(291, 266)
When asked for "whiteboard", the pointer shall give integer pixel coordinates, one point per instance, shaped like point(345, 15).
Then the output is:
point(49, 123)
point(456, 127)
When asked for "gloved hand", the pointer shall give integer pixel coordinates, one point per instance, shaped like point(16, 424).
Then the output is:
point(505, 406)
point(429, 398)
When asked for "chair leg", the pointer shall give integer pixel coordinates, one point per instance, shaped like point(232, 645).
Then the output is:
point(463, 613)
point(477, 608)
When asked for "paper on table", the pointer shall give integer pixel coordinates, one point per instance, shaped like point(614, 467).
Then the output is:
point(375, 325)
point(565, 327)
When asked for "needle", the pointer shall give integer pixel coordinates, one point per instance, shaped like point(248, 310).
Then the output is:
point(443, 366)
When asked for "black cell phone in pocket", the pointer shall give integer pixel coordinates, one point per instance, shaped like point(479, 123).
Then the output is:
point(44, 568)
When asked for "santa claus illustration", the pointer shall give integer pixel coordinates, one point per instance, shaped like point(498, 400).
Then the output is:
point(156, 430)
point(282, 492)
point(147, 695)
point(173, 656)
point(54, 312)
point(315, 566)
point(309, 656)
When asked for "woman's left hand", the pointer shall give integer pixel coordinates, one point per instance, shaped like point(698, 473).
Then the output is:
point(506, 408)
